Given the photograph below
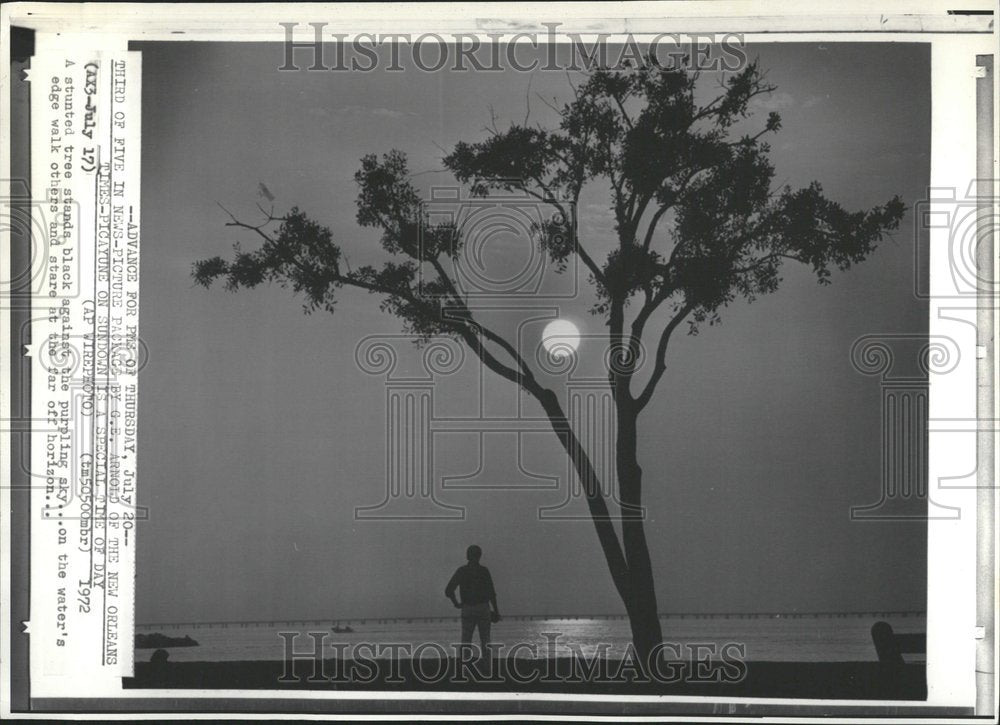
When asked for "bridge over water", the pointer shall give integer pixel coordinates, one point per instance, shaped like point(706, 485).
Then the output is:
point(364, 621)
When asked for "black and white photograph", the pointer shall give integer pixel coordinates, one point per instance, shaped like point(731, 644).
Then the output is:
point(540, 369)
point(403, 322)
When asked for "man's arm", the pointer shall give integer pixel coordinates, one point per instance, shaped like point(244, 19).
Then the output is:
point(449, 591)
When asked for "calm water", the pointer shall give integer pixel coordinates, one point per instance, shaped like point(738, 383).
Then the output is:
point(807, 639)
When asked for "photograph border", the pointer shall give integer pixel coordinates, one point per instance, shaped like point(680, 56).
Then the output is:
point(786, 23)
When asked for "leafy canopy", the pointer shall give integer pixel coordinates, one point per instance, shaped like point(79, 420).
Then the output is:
point(697, 219)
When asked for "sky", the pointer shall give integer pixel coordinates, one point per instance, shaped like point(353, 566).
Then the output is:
point(259, 435)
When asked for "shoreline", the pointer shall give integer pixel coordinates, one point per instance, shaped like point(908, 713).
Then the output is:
point(814, 680)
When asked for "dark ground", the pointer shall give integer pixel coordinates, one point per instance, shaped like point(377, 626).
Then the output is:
point(832, 680)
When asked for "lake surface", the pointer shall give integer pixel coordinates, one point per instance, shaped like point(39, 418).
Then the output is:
point(781, 638)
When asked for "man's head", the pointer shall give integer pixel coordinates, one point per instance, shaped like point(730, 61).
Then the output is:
point(474, 554)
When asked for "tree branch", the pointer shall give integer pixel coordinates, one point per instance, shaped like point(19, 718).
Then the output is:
point(599, 513)
point(548, 198)
point(660, 363)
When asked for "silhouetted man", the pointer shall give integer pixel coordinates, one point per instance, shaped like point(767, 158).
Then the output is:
point(475, 587)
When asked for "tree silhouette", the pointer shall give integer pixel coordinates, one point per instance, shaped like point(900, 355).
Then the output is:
point(698, 223)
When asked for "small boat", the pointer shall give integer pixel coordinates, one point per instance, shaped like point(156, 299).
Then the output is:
point(338, 629)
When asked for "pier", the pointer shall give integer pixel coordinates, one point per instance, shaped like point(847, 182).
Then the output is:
point(366, 621)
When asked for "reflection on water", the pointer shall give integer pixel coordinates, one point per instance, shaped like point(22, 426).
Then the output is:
point(807, 639)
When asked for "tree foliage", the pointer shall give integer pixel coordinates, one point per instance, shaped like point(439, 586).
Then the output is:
point(697, 219)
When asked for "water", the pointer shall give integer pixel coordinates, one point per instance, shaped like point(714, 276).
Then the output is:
point(806, 639)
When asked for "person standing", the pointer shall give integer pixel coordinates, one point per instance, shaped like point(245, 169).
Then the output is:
point(476, 595)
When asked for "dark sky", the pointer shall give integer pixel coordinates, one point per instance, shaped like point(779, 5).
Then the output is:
point(259, 436)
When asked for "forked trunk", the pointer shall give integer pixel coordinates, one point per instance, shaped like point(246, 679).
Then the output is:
point(629, 562)
point(640, 602)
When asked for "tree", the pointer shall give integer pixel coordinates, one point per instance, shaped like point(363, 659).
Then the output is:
point(698, 225)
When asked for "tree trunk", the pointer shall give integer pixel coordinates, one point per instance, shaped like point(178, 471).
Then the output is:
point(641, 602)
point(631, 570)
point(598, 507)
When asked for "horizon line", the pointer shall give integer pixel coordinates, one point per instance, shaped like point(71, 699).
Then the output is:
point(546, 615)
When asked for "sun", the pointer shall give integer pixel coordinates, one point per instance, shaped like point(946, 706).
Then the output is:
point(560, 338)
